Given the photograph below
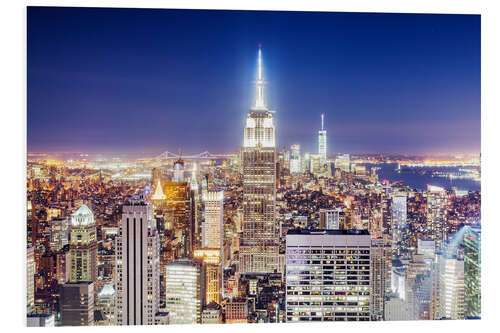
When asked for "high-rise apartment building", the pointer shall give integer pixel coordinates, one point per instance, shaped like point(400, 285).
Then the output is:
point(137, 265)
point(185, 292)
point(472, 274)
point(259, 244)
point(328, 275)
point(83, 246)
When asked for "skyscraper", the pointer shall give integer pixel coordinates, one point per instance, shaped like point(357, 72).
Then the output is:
point(30, 279)
point(179, 169)
point(328, 275)
point(451, 285)
point(399, 226)
point(83, 246)
point(138, 262)
point(212, 227)
point(211, 258)
point(436, 213)
point(381, 269)
point(322, 147)
point(295, 161)
point(472, 274)
point(180, 216)
point(259, 242)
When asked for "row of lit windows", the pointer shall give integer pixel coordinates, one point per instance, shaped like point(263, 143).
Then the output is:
point(328, 256)
point(291, 273)
point(289, 319)
point(320, 251)
point(301, 289)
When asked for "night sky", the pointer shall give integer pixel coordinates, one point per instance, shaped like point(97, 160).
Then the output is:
point(145, 81)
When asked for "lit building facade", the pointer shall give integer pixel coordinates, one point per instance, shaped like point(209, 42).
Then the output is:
point(137, 265)
point(295, 160)
point(259, 244)
point(343, 162)
point(436, 213)
point(328, 275)
point(211, 258)
point(427, 247)
point(185, 292)
point(179, 209)
point(322, 147)
point(178, 171)
point(106, 304)
point(59, 233)
point(400, 231)
point(212, 227)
point(30, 279)
point(381, 269)
point(472, 274)
point(83, 246)
point(236, 311)
point(451, 284)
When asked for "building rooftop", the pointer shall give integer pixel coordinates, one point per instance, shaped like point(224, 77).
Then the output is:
point(82, 217)
point(300, 231)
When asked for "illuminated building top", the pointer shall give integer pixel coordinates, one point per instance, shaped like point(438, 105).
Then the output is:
point(158, 195)
point(259, 99)
point(82, 217)
point(107, 290)
point(259, 127)
point(322, 147)
point(209, 256)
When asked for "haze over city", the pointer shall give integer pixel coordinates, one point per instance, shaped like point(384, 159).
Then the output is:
point(146, 81)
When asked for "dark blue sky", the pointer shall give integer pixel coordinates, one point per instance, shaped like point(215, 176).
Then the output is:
point(139, 80)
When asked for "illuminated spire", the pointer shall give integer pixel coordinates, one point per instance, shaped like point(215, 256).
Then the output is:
point(158, 195)
point(259, 100)
point(322, 121)
point(194, 183)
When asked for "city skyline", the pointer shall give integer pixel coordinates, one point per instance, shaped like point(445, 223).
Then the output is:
point(260, 236)
point(377, 104)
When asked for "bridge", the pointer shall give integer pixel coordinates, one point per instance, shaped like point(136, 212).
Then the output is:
point(167, 155)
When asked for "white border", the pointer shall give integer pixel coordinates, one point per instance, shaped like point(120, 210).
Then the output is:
point(13, 102)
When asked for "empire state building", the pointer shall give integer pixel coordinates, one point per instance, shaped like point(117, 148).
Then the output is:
point(259, 244)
